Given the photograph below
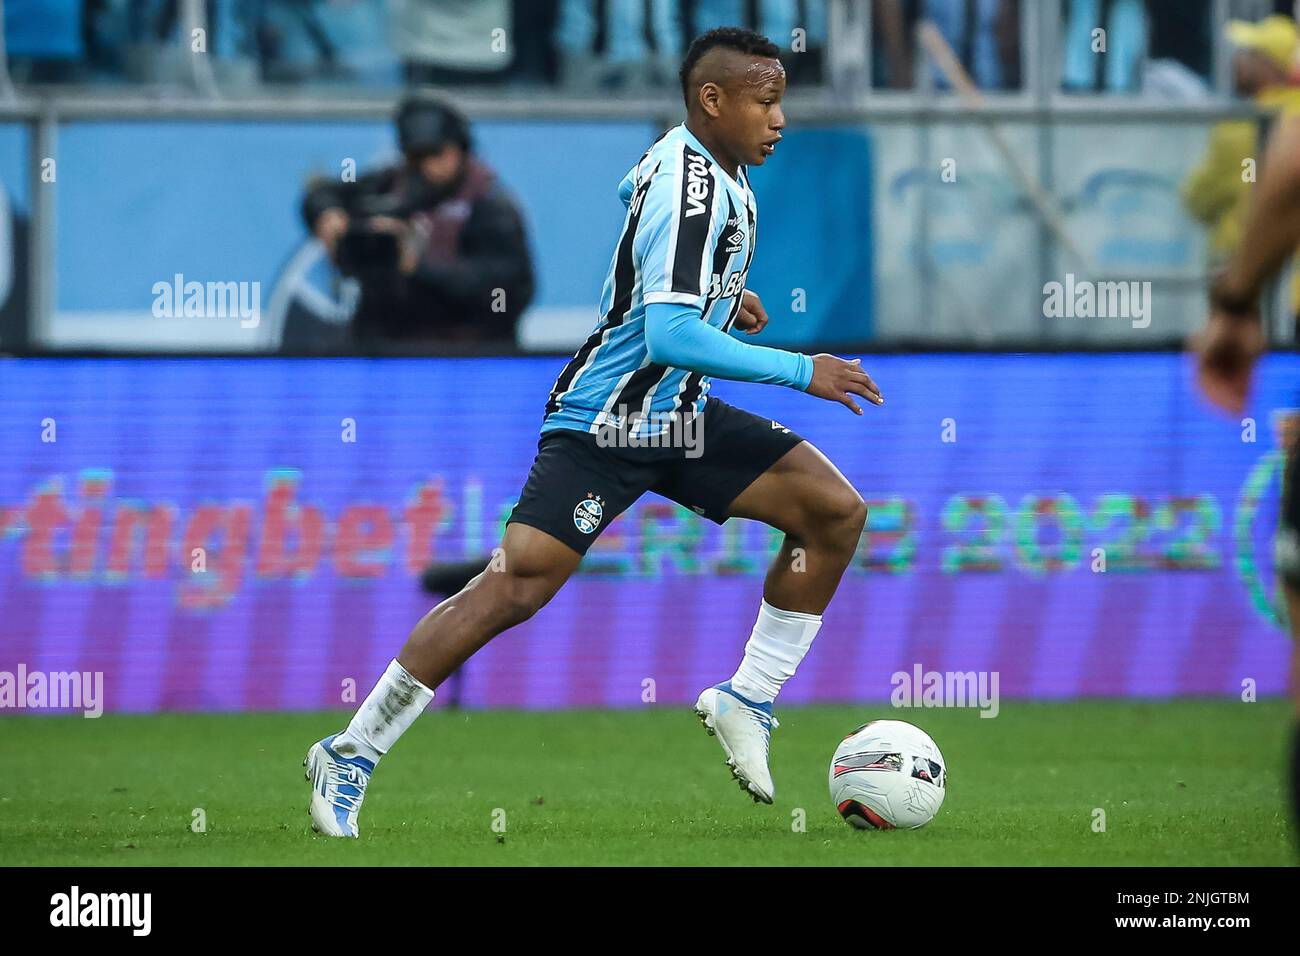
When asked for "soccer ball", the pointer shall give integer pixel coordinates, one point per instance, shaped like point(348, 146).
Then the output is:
point(888, 774)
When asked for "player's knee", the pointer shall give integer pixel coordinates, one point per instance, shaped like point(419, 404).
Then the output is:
point(846, 516)
point(518, 598)
point(855, 510)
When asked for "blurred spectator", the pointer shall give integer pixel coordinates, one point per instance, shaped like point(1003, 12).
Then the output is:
point(627, 60)
point(587, 45)
point(1181, 42)
point(453, 42)
point(777, 20)
point(436, 244)
point(535, 62)
point(1216, 192)
point(1161, 48)
point(44, 41)
point(101, 33)
point(281, 41)
point(275, 23)
point(617, 44)
point(893, 25)
point(984, 35)
point(1259, 9)
point(316, 40)
point(156, 37)
point(1115, 68)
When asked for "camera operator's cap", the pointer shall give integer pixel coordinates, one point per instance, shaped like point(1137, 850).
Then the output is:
point(426, 125)
point(1276, 37)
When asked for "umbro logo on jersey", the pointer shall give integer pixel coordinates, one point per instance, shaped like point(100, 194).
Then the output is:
point(736, 240)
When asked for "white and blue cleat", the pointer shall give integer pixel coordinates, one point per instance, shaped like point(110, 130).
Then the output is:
point(744, 728)
point(338, 785)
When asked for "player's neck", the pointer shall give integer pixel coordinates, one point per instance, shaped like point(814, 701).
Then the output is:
point(729, 166)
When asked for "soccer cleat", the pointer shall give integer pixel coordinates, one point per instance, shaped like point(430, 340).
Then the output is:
point(338, 785)
point(743, 727)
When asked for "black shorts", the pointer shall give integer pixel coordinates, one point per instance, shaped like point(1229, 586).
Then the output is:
point(579, 483)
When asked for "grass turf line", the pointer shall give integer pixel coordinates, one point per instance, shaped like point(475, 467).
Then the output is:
point(1181, 783)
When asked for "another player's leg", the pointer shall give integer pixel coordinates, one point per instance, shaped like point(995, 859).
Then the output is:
point(529, 569)
point(1293, 611)
point(805, 496)
point(1287, 563)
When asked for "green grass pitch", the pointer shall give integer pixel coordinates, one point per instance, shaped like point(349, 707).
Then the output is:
point(1182, 783)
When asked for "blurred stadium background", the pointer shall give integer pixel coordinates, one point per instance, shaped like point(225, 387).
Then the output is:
point(232, 511)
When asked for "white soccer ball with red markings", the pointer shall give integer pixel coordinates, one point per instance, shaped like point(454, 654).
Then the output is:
point(888, 775)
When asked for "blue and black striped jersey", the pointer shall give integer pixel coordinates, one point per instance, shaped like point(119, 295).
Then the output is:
point(687, 238)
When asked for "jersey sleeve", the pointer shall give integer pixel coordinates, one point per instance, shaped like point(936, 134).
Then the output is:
point(627, 187)
point(678, 230)
point(676, 337)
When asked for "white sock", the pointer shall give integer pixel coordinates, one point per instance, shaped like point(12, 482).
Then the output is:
point(383, 716)
point(779, 642)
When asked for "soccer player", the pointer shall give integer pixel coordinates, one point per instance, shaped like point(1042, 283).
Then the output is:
point(635, 389)
point(1233, 339)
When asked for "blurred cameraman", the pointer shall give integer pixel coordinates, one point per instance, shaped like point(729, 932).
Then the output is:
point(436, 244)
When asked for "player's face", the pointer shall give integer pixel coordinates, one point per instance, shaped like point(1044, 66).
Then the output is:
point(754, 120)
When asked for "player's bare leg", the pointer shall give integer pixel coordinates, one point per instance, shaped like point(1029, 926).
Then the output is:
point(1289, 440)
point(522, 577)
point(526, 572)
point(805, 496)
point(1293, 613)
point(822, 516)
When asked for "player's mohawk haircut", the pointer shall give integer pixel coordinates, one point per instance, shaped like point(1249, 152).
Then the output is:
point(733, 38)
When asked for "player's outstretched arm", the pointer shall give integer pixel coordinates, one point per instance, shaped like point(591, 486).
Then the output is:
point(677, 336)
point(1233, 339)
point(1272, 227)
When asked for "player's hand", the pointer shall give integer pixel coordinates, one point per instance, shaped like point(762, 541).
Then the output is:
point(1226, 350)
point(330, 227)
point(752, 317)
point(838, 380)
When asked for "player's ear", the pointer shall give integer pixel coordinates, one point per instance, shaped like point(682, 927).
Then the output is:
point(710, 95)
